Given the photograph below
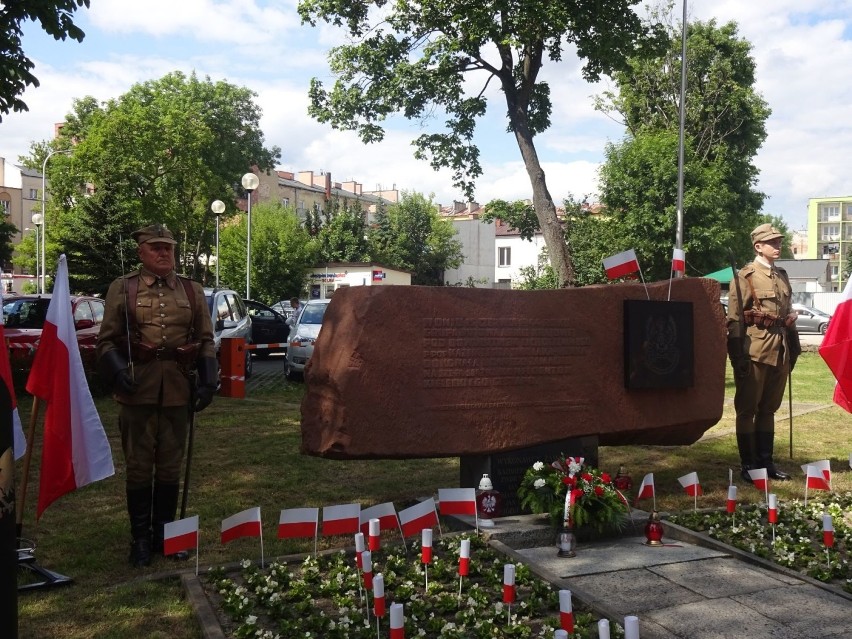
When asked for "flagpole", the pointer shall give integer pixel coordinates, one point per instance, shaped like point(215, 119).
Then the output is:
point(679, 238)
point(19, 514)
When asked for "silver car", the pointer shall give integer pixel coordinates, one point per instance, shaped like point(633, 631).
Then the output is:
point(302, 337)
point(811, 320)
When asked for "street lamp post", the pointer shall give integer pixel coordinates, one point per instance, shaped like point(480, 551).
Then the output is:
point(38, 220)
point(218, 207)
point(43, 276)
point(250, 183)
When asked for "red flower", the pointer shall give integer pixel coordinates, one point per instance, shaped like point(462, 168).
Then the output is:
point(599, 491)
point(587, 477)
point(577, 493)
point(569, 481)
point(605, 478)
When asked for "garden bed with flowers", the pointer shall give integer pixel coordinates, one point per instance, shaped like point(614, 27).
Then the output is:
point(797, 540)
point(325, 597)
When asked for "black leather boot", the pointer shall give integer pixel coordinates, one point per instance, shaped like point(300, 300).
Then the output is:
point(765, 445)
point(745, 444)
point(139, 509)
point(165, 507)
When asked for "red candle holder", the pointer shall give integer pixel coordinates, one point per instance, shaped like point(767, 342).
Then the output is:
point(654, 530)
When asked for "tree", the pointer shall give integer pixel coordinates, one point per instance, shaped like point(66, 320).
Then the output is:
point(343, 237)
point(281, 253)
point(724, 128)
point(162, 152)
point(426, 58)
point(55, 17)
point(411, 236)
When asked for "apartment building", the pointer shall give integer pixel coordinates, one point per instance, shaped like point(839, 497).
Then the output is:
point(20, 197)
point(830, 234)
point(478, 245)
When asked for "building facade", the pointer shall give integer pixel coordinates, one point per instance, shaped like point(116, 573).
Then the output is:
point(325, 279)
point(478, 245)
point(20, 197)
point(830, 235)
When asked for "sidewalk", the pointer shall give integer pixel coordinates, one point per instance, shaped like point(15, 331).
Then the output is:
point(690, 588)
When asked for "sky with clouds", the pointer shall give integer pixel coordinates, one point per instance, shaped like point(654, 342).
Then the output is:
point(803, 52)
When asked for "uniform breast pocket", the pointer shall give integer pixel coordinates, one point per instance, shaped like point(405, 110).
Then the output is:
point(184, 311)
point(768, 300)
point(144, 312)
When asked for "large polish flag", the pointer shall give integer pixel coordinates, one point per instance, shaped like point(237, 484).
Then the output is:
point(385, 513)
point(836, 349)
point(419, 516)
point(340, 520)
point(19, 442)
point(690, 484)
point(243, 524)
point(678, 261)
point(457, 501)
point(298, 522)
point(621, 264)
point(180, 535)
point(75, 451)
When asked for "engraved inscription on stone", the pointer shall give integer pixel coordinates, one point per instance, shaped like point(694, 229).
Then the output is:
point(459, 352)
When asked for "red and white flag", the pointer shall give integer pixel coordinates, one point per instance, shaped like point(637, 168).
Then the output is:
point(836, 349)
point(732, 499)
point(457, 501)
point(566, 611)
point(417, 517)
point(75, 450)
point(19, 442)
point(824, 466)
point(690, 484)
point(180, 535)
point(827, 531)
point(816, 479)
point(298, 522)
point(340, 520)
point(760, 478)
point(385, 513)
point(509, 584)
point(646, 488)
point(243, 524)
point(621, 264)
point(678, 261)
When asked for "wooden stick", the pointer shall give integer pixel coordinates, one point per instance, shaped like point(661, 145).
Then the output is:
point(19, 507)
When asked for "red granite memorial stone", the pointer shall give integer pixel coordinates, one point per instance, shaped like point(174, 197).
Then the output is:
point(409, 371)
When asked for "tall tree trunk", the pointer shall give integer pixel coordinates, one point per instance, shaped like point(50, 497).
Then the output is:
point(545, 210)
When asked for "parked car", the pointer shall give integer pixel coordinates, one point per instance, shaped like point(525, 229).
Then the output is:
point(24, 317)
point(230, 318)
point(811, 320)
point(283, 307)
point(303, 336)
point(268, 326)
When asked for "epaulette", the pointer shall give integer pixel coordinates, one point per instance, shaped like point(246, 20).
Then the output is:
point(747, 270)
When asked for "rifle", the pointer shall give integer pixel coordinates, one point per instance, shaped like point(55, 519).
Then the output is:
point(126, 311)
point(740, 310)
point(193, 381)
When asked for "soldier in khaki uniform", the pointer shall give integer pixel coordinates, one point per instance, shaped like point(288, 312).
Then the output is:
point(763, 346)
point(152, 337)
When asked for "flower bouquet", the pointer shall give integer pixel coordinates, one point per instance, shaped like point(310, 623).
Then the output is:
point(573, 493)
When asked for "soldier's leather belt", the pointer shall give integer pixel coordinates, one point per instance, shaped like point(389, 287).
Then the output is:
point(143, 353)
point(765, 320)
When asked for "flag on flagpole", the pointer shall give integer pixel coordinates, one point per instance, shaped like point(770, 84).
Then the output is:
point(75, 451)
point(690, 484)
point(19, 441)
point(678, 261)
point(836, 348)
point(760, 478)
point(621, 264)
point(457, 501)
point(646, 488)
point(243, 524)
point(298, 522)
point(340, 520)
point(414, 519)
point(180, 535)
point(816, 479)
point(823, 466)
point(385, 513)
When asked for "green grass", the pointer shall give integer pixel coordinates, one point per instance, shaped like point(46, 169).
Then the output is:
point(247, 454)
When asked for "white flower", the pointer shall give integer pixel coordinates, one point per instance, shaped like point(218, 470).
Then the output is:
point(539, 483)
point(251, 620)
point(538, 466)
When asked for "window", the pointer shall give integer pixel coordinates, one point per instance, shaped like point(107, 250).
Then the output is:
point(829, 212)
point(33, 194)
point(285, 201)
point(830, 232)
point(6, 204)
point(83, 312)
point(504, 256)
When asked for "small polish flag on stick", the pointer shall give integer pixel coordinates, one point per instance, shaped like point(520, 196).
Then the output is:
point(359, 550)
point(566, 611)
point(340, 520)
point(374, 540)
point(646, 490)
point(827, 531)
point(379, 596)
point(385, 513)
point(419, 516)
point(294, 523)
point(691, 486)
point(181, 535)
point(773, 508)
point(243, 524)
point(816, 480)
point(621, 264)
point(367, 569)
point(824, 466)
point(732, 499)
point(458, 501)
point(397, 621)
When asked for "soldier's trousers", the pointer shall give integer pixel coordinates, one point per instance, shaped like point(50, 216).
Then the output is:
point(757, 398)
point(153, 440)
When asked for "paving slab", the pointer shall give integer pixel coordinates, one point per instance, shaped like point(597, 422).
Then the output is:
point(718, 577)
point(717, 619)
point(804, 609)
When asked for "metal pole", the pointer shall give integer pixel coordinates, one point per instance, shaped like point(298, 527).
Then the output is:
point(679, 239)
point(217, 251)
point(248, 251)
point(43, 277)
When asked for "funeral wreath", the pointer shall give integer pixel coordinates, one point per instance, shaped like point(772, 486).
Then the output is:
point(571, 492)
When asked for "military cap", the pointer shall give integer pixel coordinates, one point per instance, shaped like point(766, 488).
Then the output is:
point(153, 233)
point(765, 233)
